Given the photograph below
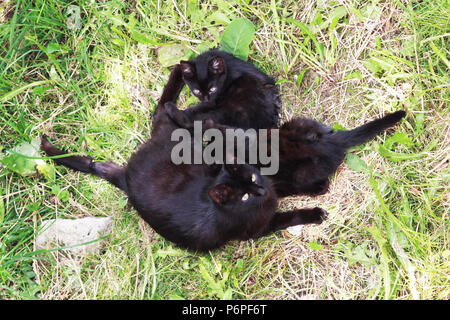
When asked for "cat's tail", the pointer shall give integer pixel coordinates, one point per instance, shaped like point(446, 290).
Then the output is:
point(107, 170)
point(364, 133)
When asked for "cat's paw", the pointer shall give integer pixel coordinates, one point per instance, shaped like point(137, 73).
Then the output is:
point(178, 116)
point(320, 215)
point(170, 106)
point(177, 72)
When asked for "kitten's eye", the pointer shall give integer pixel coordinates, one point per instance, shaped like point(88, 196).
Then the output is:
point(212, 89)
point(253, 177)
point(196, 91)
point(245, 197)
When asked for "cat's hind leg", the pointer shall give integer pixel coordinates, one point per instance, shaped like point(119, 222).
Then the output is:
point(283, 220)
point(107, 170)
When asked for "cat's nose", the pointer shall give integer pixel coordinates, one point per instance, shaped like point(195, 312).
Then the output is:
point(206, 99)
point(261, 191)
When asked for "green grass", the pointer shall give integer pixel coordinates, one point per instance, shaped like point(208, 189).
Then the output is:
point(93, 87)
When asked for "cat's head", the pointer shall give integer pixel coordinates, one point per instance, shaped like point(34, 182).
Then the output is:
point(240, 188)
point(304, 129)
point(205, 77)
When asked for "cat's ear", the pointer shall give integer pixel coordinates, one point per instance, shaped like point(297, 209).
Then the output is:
point(216, 65)
point(220, 193)
point(187, 68)
point(312, 136)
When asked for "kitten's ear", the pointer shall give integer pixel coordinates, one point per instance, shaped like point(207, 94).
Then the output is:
point(187, 68)
point(312, 137)
point(216, 65)
point(220, 193)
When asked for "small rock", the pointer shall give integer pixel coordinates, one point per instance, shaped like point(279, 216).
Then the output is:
point(295, 230)
point(65, 232)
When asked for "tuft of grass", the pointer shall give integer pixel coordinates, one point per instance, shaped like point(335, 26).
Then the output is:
point(89, 75)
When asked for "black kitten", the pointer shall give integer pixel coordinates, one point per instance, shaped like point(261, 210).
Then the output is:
point(198, 207)
point(232, 92)
point(210, 74)
point(310, 152)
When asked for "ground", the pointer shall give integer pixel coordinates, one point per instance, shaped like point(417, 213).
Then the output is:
point(89, 76)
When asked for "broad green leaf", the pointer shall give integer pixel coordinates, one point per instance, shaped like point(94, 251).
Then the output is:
point(397, 156)
point(337, 127)
point(54, 74)
point(171, 54)
point(354, 75)
point(219, 18)
point(362, 255)
point(48, 170)
point(399, 137)
point(371, 11)
point(56, 189)
point(18, 158)
point(73, 13)
point(314, 245)
point(34, 206)
point(204, 46)
point(335, 15)
point(215, 286)
point(420, 119)
point(237, 37)
point(40, 89)
point(305, 30)
point(373, 65)
point(142, 38)
point(338, 13)
point(440, 54)
point(355, 163)
point(300, 77)
point(228, 295)
point(408, 48)
point(53, 47)
point(64, 195)
point(193, 11)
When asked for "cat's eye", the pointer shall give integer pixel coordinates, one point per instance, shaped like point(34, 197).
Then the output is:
point(212, 89)
point(245, 197)
point(253, 177)
point(196, 91)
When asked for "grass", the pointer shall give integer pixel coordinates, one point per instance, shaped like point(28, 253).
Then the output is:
point(92, 85)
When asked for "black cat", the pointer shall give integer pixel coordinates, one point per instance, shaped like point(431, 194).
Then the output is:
point(232, 91)
point(309, 152)
point(198, 207)
point(210, 74)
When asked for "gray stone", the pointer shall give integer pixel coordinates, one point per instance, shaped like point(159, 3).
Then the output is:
point(296, 230)
point(56, 233)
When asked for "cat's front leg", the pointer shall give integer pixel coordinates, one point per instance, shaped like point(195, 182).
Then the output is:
point(178, 116)
point(172, 88)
